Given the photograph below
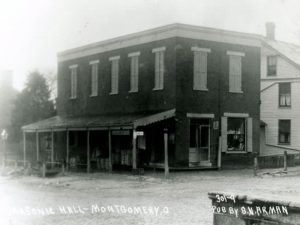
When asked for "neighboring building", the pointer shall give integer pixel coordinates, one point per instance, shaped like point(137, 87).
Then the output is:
point(7, 95)
point(280, 95)
point(117, 98)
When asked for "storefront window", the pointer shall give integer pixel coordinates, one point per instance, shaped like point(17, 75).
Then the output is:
point(236, 134)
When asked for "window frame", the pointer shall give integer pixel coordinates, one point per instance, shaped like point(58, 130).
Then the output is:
point(159, 68)
point(134, 71)
point(269, 70)
point(94, 78)
point(233, 76)
point(200, 68)
point(290, 132)
point(248, 132)
point(73, 81)
point(280, 94)
point(114, 85)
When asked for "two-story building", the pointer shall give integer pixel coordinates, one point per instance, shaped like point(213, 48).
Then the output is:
point(280, 95)
point(192, 90)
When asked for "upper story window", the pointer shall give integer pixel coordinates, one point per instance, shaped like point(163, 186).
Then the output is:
point(284, 131)
point(284, 94)
point(271, 65)
point(200, 68)
point(134, 71)
point(114, 74)
point(73, 70)
point(159, 68)
point(94, 77)
point(235, 71)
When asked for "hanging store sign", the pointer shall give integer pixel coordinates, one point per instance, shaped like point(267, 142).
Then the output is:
point(120, 132)
point(139, 133)
point(216, 125)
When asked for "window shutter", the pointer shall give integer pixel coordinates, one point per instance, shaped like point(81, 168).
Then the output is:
point(96, 79)
point(157, 59)
point(203, 69)
point(162, 70)
point(235, 73)
point(239, 74)
point(231, 74)
point(74, 83)
point(112, 77)
point(196, 71)
point(117, 76)
point(136, 77)
point(224, 133)
point(132, 74)
point(249, 134)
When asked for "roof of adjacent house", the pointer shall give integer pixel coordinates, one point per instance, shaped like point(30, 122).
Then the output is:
point(287, 50)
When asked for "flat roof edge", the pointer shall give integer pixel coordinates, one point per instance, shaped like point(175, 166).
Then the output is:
point(172, 30)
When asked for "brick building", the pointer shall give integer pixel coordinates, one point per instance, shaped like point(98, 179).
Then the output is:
point(192, 90)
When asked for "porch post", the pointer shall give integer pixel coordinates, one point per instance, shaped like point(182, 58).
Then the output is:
point(134, 149)
point(109, 152)
point(37, 146)
point(52, 148)
point(166, 152)
point(67, 156)
point(24, 147)
point(88, 152)
point(219, 152)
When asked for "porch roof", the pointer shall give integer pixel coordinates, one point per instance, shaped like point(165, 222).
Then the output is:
point(98, 122)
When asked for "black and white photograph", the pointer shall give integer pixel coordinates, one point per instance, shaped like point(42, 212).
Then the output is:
point(150, 112)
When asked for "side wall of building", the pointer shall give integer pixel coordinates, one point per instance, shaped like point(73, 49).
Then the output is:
point(217, 100)
point(271, 113)
point(146, 99)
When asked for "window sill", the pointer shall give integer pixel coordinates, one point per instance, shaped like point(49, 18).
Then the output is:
point(284, 144)
point(113, 93)
point(73, 98)
point(236, 92)
point(284, 107)
point(200, 89)
point(93, 96)
point(157, 89)
point(133, 91)
point(236, 152)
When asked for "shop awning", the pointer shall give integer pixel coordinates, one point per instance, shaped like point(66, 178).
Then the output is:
point(130, 121)
point(144, 121)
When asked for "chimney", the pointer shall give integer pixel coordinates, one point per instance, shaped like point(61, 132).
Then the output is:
point(270, 31)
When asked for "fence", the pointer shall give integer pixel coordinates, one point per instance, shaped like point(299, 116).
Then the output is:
point(276, 161)
point(44, 169)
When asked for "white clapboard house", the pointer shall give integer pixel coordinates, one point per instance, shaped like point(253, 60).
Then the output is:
point(280, 95)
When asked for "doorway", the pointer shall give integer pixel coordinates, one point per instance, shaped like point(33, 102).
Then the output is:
point(199, 150)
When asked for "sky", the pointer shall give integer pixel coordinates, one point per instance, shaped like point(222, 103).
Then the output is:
point(33, 31)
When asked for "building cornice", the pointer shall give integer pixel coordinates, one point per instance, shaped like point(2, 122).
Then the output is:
point(160, 33)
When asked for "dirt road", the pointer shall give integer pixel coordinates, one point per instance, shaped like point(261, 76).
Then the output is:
point(102, 198)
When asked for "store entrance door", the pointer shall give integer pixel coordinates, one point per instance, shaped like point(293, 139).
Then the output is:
point(203, 148)
point(199, 150)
